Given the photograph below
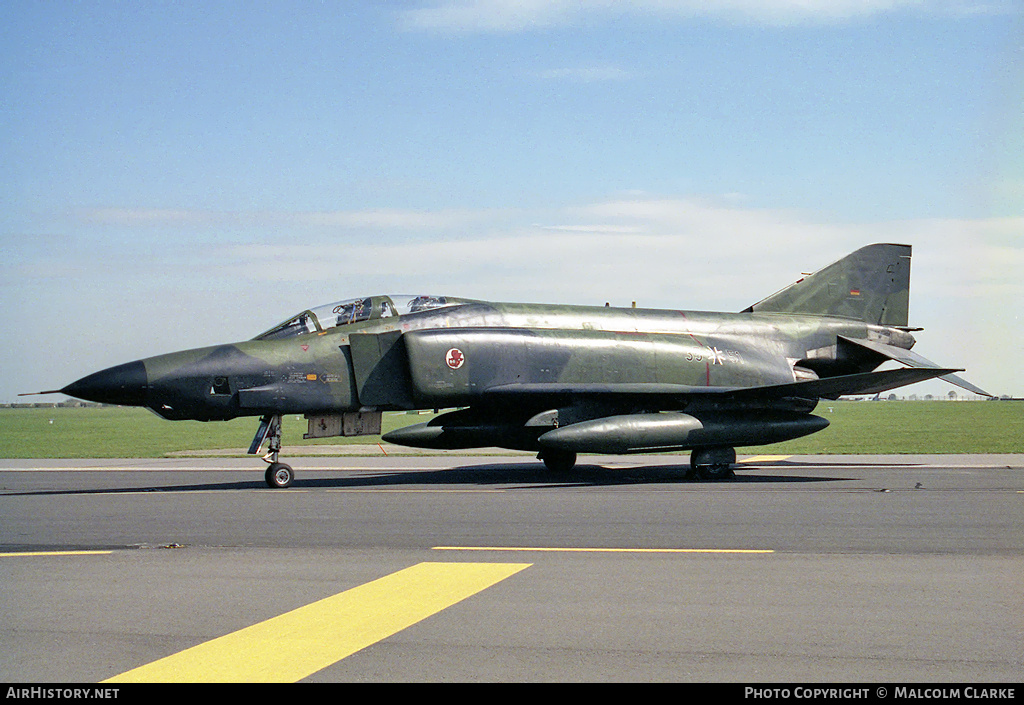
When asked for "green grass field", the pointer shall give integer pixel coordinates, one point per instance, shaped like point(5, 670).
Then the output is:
point(857, 427)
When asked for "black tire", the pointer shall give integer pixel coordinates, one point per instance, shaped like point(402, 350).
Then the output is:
point(279, 476)
point(712, 473)
point(712, 464)
point(558, 460)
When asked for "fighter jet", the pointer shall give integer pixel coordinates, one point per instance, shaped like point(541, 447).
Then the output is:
point(557, 380)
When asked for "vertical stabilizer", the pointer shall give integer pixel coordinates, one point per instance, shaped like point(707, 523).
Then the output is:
point(871, 285)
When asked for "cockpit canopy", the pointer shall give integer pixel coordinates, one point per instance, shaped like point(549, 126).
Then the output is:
point(341, 313)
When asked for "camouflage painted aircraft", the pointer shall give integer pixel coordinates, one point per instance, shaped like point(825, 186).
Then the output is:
point(556, 380)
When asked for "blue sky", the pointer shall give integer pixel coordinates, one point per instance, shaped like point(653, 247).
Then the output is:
point(183, 174)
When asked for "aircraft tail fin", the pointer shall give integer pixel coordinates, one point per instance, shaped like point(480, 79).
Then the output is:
point(871, 285)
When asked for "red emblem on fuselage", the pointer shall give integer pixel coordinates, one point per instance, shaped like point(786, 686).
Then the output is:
point(455, 358)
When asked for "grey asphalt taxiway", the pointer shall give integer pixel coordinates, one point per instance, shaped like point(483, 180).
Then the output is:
point(838, 568)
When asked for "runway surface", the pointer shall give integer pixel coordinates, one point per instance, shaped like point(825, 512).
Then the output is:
point(466, 568)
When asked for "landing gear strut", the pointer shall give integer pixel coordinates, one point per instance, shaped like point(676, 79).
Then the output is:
point(712, 463)
point(278, 475)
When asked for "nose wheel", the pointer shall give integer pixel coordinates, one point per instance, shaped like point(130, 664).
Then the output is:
point(278, 475)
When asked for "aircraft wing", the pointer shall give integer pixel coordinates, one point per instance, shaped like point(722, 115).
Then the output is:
point(913, 360)
point(666, 394)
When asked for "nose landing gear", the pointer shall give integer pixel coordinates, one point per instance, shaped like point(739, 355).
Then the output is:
point(278, 475)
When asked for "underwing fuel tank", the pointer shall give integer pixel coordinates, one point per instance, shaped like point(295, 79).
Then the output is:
point(459, 436)
point(634, 433)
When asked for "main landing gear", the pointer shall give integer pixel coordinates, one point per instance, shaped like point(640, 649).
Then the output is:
point(707, 464)
point(557, 460)
point(278, 475)
point(711, 464)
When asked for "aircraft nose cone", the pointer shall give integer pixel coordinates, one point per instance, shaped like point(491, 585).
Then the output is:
point(124, 384)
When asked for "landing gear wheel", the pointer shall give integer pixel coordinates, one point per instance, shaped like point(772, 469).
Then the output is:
point(712, 464)
point(558, 460)
point(718, 471)
point(279, 475)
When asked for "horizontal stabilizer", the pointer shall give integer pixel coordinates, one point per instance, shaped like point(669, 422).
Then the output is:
point(912, 359)
point(835, 387)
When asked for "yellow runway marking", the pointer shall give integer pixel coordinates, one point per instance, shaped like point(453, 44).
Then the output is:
point(764, 458)
point(55, 553)
point(296, 644)
point(601, 550)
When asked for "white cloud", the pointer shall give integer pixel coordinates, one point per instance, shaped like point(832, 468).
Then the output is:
point(492, 15)
point(668, 251)
point(527, 15)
